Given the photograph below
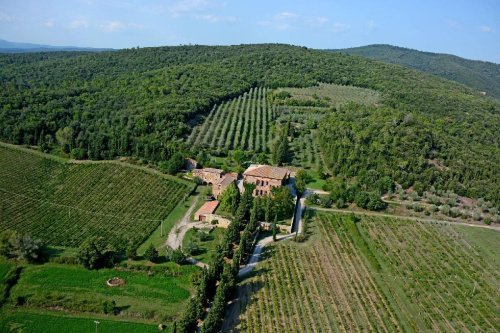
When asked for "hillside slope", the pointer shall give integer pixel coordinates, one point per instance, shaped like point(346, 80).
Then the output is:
point(65, 203)
point(145, 102)
point(480, 75)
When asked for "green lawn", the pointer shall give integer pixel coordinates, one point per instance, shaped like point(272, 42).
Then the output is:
point(208, 246)
point(21, 321)
point(317, 183)
point(158, 297)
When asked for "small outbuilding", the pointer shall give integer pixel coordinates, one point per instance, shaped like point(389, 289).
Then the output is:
point(207, 208)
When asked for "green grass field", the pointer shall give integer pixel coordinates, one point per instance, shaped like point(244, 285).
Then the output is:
point(379, 274)
point(207, 247)
point(22, 321)
point(64, 203)
point(157, 297)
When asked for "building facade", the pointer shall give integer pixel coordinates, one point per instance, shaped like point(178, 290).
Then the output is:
point(208, 175)
point(223, 183)
point(265, 177)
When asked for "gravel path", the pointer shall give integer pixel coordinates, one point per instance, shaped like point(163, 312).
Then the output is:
point(176, 235)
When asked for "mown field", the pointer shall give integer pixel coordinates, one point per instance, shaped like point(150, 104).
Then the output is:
point(378, 274)
point(241, 123)
point(157, 297)
point(64, 203)
point(35, 322)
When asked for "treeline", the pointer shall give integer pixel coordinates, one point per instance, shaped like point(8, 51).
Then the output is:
point(216, 285)
point(411, 148)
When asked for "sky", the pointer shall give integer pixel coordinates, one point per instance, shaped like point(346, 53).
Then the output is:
point(469, 29)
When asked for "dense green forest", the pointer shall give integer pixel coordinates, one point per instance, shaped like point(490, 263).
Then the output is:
point(480, 75)
point(144, 102)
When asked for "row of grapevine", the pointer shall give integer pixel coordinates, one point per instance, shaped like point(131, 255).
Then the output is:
point(454, 288)
point(64, 204)
point(341, 295)
point(241, 123)
point(378, 274)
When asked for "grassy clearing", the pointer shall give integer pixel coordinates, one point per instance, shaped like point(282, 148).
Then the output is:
point(333, 95)
point(378, 274)
point(35, 322)
point(64, 204)
point(147, 297)
point(207, 246)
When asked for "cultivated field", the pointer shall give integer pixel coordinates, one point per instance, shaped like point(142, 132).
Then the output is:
point(64, 203)
point(241, 123)
point(379, 274)
point(333, 94)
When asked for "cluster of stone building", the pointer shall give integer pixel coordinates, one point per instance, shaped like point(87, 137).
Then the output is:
point(264, 177)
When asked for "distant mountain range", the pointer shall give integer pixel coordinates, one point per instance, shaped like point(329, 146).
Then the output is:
point(13, 47)
point(481, 75)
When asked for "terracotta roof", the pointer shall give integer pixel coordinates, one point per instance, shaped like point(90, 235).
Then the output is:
point(207, 208)
point(267, 171)
point(226, 180)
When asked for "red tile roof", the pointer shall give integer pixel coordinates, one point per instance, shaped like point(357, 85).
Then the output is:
point(207, 208)
point(267, 171)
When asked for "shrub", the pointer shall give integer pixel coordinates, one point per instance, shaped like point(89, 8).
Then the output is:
point(109, 307)
point(369, 200)
point(340, 203)
point(151, 253)
point(22, 247)
point(178, 256)
point(445, 209)
point(192, 248)
point(454, 212)
point(95, 253)
point(487, 220)
point(418, 208)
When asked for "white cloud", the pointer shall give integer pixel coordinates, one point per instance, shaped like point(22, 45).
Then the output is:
point(4, 17)
point(187, 6)
point(114, 26)
point(285, 16)
point(215, 18)
point(485, 28)
point(340, 27)
point(317, 21)
point(80, 22)
point(49, 23)
point(453, 24)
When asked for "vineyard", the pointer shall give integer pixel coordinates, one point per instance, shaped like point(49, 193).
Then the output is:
point(383, 275)
point(241, 123)
point(64, 203)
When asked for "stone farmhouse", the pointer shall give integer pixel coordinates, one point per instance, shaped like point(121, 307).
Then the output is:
point(223, 183)
point(209, 175)
point(265, 177)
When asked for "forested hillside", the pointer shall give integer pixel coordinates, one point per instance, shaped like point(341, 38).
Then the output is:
point(144, 102)
point(480, 75)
